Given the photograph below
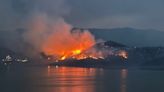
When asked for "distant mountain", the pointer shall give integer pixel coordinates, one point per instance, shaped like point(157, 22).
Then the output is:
point(5, 52)
point(131, 36)
point(127, 36)
point(111, 44)
point(137, 57)
point(124, 38)
point(144, 55)
point(155, 62)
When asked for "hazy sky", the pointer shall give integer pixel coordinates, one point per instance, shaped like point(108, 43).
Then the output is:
point(117, 13)
point(89, 13)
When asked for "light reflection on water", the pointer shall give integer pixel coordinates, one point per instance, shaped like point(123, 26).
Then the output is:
point(74, 79)
point(66, 79)
point(123, 80)
point(63, 79)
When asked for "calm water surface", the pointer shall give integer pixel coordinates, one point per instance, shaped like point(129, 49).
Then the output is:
point(71, 79)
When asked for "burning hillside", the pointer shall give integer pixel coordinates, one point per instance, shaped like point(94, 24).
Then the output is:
point(60, 40)
point(48, 32)
point(98, 51)
point(68, 43)
point(99, 55)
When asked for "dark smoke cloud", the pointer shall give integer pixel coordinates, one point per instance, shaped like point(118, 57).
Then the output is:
point(15, 13)
point(18, 18)
point(87, 13)
point(18, 15)
point(44, 27)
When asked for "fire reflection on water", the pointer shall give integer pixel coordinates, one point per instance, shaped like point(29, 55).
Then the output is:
point(73, 79)
point(67, 79)
point(123, 80)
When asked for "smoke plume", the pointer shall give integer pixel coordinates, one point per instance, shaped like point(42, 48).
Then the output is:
point(45, 29)
point(57, 37)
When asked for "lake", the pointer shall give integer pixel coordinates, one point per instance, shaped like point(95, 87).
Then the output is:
point(73, 79)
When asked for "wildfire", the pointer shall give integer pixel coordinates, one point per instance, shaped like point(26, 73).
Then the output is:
point(70, 55)
point(63, 58)
point(79, 54)
point(75, 52)
point(123, 54)
point(66, 43)
point(60, 41)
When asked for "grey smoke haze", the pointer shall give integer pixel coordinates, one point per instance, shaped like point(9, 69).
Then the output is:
point(45, 29)
point(38, 19)
point(117, 13)
point(87, 13)
point(15, 14)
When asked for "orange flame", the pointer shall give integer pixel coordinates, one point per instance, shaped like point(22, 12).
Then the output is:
point(61, 42)
point(58, 41)
point(123, 54)
point(64, 43)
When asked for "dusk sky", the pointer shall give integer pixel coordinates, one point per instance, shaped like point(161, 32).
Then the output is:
point(146, 14)
point(118, 13)
point(81, 45)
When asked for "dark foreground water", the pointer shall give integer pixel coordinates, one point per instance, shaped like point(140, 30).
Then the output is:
point(67, 79)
